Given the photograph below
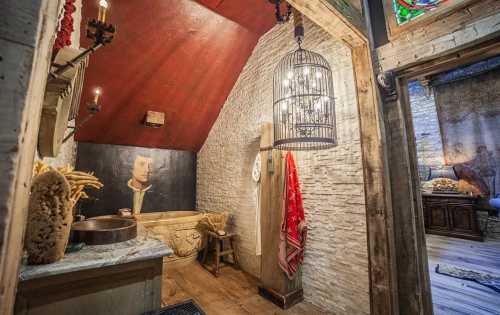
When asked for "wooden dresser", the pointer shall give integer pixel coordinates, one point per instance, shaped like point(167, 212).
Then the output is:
point(451, 215)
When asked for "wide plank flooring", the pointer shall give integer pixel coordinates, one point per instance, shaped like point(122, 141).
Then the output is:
point(233, 293)
point(453, 296)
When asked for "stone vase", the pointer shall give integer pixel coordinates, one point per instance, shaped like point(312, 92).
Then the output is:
point(49, 218)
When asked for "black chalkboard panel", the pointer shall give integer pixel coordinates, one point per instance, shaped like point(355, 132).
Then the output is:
point(143, 179)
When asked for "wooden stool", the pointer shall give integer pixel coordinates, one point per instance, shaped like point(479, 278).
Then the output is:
point(217, 241)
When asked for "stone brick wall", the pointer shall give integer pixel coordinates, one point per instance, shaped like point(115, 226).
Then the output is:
point(335, 273)
point(426, 126)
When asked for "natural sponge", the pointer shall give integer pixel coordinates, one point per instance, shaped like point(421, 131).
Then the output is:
point(49, 219)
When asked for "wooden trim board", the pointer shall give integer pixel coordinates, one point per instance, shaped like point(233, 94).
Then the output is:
point(284, 301)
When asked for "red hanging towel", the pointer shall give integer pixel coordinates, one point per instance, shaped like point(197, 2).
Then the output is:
point(293, 226)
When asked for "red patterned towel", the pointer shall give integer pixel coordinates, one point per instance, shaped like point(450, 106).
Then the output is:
point(293, 226)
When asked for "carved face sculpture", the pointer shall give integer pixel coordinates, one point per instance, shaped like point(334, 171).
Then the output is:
point(142, 170)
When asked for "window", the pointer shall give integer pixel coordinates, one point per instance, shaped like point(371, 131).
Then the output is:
point(408, 10)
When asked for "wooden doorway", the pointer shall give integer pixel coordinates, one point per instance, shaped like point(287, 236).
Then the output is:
point(404, 179)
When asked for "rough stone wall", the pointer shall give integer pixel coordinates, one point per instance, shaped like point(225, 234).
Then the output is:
point(426, 127)
point(335, 273)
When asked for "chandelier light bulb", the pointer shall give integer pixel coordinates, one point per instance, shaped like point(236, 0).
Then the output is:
point(286, 83)
point(284, 108)
point(319, 75)
point(317, 106)
point(103, 7)
point(306, 70)
point(97, 94)
point(290, 75)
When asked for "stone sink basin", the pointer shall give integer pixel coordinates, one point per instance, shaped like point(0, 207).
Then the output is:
point(106, 230)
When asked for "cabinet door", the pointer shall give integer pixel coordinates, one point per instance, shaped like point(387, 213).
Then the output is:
point(462, 217)
point(437, 216)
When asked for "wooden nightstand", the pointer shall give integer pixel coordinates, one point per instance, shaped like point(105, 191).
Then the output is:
point(451, 215)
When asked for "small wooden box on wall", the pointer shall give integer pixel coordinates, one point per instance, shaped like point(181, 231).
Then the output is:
point(154, 119)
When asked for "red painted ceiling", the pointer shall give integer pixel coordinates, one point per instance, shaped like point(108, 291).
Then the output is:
point(174, 56)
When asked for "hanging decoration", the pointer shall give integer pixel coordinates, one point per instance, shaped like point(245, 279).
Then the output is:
point(66, 28)
point(408, 10)
point(282, 17)
point(293, 232)
point(304, 103)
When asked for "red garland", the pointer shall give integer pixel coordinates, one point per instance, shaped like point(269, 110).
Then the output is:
point(65, 28)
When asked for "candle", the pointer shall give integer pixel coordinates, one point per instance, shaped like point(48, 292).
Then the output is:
point(97, 94)
point(103, 7)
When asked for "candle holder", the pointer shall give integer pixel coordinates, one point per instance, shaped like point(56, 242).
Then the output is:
point(100, 32)
point(92, 109)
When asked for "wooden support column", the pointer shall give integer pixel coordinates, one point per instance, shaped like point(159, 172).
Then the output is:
point(275, 284)
point(379, 214)
point(26, 36)
point(412, 265)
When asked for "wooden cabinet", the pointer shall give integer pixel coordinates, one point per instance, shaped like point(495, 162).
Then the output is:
point(451, 215)
point(124, 289)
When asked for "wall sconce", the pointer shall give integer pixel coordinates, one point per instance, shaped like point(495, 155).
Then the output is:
point(97, 30)
point(92, 109)
point(154, 119)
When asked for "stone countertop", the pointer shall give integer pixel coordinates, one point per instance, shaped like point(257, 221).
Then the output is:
point(145, 247)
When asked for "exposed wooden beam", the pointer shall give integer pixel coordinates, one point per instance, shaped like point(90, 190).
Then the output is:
point(337, 17)
point(379, 214)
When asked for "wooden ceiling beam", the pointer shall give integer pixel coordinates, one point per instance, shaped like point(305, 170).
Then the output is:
point(348, 24)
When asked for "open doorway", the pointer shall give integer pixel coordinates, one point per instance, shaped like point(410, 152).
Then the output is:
point(455, 113)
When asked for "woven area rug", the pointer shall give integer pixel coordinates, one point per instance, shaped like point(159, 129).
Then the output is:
point(490, 281)
point(184, 308)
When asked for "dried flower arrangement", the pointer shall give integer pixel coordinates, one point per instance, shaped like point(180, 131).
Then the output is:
point(78, 181)
point(214, 221)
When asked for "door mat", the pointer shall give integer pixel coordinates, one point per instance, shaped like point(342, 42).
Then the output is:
point(490, 281)
point(185, 308)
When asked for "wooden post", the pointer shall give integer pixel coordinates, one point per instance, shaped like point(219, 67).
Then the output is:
point(412, 265)
point(379, 214)
point(275, 284)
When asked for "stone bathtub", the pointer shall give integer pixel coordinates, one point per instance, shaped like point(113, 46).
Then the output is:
point(180, 230)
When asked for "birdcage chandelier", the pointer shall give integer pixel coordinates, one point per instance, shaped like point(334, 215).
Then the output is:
point(303, 103)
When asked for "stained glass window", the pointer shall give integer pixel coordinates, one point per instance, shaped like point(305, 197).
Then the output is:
point(408, 10)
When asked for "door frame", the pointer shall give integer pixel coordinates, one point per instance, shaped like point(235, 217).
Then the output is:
point(405, 183)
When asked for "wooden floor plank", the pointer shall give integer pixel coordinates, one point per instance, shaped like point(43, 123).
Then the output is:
point(452, 296)
point(234, 292)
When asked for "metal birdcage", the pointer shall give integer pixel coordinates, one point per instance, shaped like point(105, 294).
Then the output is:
point(304, 103)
